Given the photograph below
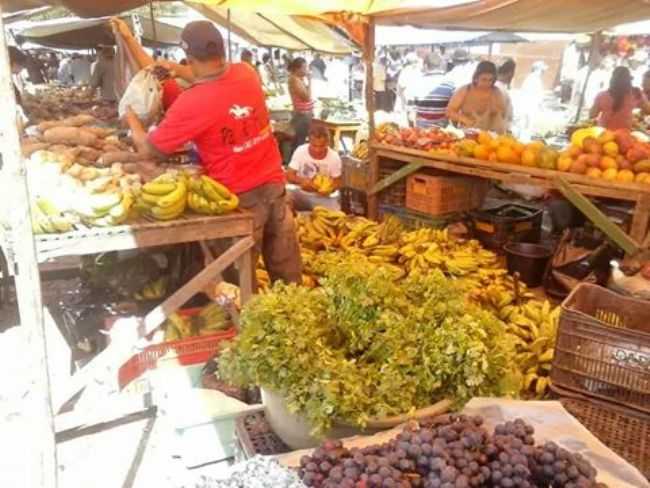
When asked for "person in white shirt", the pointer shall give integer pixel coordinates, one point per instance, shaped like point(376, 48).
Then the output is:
point(308, 161)
point(379, 84)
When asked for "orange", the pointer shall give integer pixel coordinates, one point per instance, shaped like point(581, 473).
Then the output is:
point(625, 176)
point(594, 172)
point(564, 163)
point(606, 136)
point(506, 154)
point(607, 162)
point(642, 178)
point(528, 157)
point(574, 151)
point(518, 147)
point(535, 145)
point(484, 138)
point(493, 156)
point(578, 167)
point(610, 174)
point(610, 148)
point(481, 152)
point(504, 140)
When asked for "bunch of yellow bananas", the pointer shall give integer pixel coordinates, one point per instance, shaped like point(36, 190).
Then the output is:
point(360, 151)
point(532, 327)
point(152, 291)
point(324, 184)
point(212, 318)
point(163, 198)
point(207, 196)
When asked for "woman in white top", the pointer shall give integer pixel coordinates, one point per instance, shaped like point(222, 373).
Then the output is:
point(480, 105)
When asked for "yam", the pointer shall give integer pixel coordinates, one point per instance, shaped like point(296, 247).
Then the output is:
point(69, 135)
point(31, 148)
point(59, 148)
point(89, 153)
point(120, 157)
point(79, 120)
point(100, 132)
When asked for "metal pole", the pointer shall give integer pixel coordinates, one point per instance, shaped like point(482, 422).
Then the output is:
point(37, 416)
point(229, 43)
point(153, 21)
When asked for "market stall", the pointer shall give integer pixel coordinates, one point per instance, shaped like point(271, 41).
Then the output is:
point(395, 324)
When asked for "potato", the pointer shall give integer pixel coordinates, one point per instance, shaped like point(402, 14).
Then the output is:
point(120, 157)
point(69, 135)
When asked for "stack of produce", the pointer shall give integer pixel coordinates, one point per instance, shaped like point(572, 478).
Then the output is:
point(476, 271)
point(212, 318)
point(433, 139)
point(154, 290)
point(451, 452)
point(209, 197)
point(164, 198)
point(608, 155)
point(360, 151)
point(52, 102)
point(506, 149)
point(364, 345)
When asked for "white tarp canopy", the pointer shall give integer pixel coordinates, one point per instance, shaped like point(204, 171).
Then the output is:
point(277, 30)
point(387, 35)
point(78, 33)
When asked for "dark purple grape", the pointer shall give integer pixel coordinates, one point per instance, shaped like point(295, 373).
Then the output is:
point(384, 472)
point(507, 483)
point(325, 467)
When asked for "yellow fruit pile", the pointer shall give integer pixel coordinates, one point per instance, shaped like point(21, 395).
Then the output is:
point(360, 151)
point(155, 290)
point(212, 318)
point(324, 185)
point(209, 197)
point(163, 198)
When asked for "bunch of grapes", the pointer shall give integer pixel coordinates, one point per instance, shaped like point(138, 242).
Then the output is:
point(450, 452)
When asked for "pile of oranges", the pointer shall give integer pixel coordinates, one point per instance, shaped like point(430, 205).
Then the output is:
point(609, 155)
point(507, 149)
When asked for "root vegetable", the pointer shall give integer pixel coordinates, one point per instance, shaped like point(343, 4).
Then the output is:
point(89, 153)
point(120, 157)
point(31, 148)
point(69, 135)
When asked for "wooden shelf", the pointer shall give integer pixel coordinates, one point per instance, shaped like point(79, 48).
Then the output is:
point(144, 234)
point(633, 192)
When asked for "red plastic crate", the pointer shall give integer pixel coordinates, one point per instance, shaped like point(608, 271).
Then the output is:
point(193, 350)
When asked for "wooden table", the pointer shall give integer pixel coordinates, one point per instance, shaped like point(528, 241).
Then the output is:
point(237, 226)
point(639, 193)
point(339, 128)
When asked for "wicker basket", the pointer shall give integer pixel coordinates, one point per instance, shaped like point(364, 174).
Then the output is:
point(442, 194)
point(603, 347)
point(625, 433)
point(395, 194)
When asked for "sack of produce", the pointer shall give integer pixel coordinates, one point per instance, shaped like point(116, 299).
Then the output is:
point(144, 96)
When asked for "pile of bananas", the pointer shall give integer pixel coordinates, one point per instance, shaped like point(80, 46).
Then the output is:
point(212, 318)
point(48, 219)
point(106, 209)
point(360, 151)
point(155, 290)
point(324, 185)
point(163, 198)
point(209, 197)
point(532, 327)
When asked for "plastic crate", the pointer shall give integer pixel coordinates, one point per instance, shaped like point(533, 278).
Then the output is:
point(355, 173)
point(255, 436)
point(414, 220)
point(623, 432)
point(441, 194)
point(497, 226)
point(193, 350)
point(603, 347)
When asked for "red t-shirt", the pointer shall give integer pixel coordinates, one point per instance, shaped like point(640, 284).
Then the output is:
point(171, 90)
point(228, 121)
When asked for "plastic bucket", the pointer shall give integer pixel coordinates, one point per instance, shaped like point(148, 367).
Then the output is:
point(529, 260)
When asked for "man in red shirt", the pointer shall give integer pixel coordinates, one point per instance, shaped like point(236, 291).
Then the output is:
point(224, 114)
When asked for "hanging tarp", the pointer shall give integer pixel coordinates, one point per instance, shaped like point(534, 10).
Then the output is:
point(522, 15)
point(82, 8)
point(387, 35)
point(78, 33)
point(277, 30)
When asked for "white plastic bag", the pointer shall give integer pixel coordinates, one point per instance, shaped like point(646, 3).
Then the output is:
point(144, 95)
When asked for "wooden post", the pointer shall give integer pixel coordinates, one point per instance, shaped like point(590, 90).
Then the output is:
point(38, 417)
point(153, 21)
point(369, 58)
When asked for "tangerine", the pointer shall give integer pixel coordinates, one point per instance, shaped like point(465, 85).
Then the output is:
point(594, 173)
point(625, 176)
point(482, 151)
